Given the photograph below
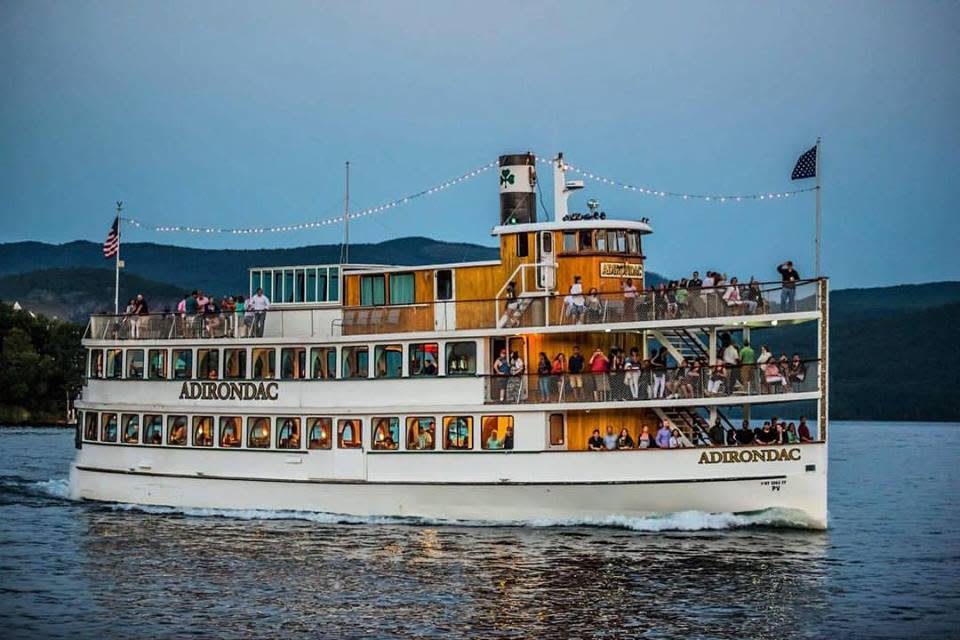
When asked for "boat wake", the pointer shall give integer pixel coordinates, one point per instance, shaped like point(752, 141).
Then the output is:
point(681, 521)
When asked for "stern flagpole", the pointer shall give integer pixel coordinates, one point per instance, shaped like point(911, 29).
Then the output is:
point(818, 207)
point(116, 265)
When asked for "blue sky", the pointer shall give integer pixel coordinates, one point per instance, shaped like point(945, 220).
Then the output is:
point(241, 114)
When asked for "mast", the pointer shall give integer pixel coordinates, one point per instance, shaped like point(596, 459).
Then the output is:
point(345, 254)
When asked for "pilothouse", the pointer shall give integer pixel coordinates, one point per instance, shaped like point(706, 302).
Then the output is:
point(556, 381)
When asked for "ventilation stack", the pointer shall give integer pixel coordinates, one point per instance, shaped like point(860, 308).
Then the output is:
point(518, 184)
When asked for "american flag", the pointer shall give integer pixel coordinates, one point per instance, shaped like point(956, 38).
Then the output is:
point(111, 246)
point(806, 166)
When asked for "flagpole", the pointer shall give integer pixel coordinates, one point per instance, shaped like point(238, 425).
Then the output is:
point(116, 267)
point(818, 207)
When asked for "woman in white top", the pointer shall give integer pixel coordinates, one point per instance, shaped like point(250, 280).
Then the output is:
point(629, 299)
point(577, 303)
point(675, 441)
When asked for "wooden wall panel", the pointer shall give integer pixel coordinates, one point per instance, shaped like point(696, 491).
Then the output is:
point(580, 424)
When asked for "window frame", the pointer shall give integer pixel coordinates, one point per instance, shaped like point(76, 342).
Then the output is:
point(171, 421)
point(151, 420)
point(242, 353)
point(421, 364)
point(96, 364)
point(237, 422)
point(449, 421)
point(131, 356)
point(393, 426)
point(118, 369)
point(164, 361)
point(299, 363)
point(271, 361)
point(189, 363)
point(311, 423)
point(196, 422)
point(296, 424)
point(413, 288)
point(380, 350)
point(356, 430)
point(471, 370)
point(328, 351)
point(124, 424)
point(523, 245)
point(208, 352)
point(484, 430)
point(254, 422)
point(551, 441)
point(355, 350)
point(412, 443)
point(377, 289)
point(104, 423)
point(91, 431)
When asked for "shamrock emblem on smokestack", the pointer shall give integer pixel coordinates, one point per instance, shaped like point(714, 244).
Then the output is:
point(506, 177)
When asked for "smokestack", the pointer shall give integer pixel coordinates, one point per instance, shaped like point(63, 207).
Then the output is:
point(518, 183)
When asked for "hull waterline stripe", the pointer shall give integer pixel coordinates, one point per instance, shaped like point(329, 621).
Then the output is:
point(428, 483)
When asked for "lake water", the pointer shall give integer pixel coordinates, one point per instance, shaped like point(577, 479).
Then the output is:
point(888, 567)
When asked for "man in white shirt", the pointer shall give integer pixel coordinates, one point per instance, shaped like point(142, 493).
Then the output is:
point(577, 304)
point(259, 304)
point(708, 293)
point(731, 358)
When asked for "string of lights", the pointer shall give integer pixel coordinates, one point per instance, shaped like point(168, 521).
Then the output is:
point(314, 224)
point(740, 197)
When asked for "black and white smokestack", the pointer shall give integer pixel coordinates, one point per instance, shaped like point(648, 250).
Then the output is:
point(518, 184)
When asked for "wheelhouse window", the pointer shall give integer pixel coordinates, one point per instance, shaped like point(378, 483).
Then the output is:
point(288, 433)
point(424, 359)
point(293, 363)
point(319, 432)
point(458, 433)
point(177, 431)
point(348, 434)
point(152, 429)
point(108, 431)
point(461, 358)
point(264, 363)
point(569, 242)
point(388, 360)
point(203, 431)
point(90, 425)
point(585, 240)
point(135, 364)
point(421, 433)
point(131, 428)
point(157, 364)
point(402, 288)
point(208, 364)
point(523, 245)
point(258, 433)
point(95, 369)
point(557, 432)
point(386, 434)
point(372, 290)
point(600, 242)
point(114, 368)
point(182, 364)
point(234, 364)
point(496, 432)
point(323, 363)
point(355, 362)
point(444, 284)
point(230, 428)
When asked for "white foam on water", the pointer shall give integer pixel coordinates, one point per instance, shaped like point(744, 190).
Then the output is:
point(55, 487)
point(680, 521)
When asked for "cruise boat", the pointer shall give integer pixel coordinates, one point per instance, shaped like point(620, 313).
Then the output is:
point(395, 390)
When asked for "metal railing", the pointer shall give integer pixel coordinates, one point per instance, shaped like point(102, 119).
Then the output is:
point(529, 310)
point(675, 383)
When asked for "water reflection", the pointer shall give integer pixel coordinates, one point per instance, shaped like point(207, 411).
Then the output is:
point(229, 578)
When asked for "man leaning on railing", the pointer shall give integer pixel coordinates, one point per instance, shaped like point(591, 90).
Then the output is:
point(259, 304)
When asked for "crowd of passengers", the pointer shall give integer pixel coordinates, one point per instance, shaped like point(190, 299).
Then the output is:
point(692, 297)
point(199, 315)
point(773, 432)
point(623, 375)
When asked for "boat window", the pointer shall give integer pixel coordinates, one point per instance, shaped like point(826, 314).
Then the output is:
point(131, 428)
point(523, 245)
point(293, 363)
point(288, 285)
point(355, 362)
point(114, 368)
point(618, 241)
point(318, 433)
point(258, 433)
point(157, 364)
point(348, 434)
point(234, 364)
point(323, 363)
point(388, 360)
point(182, 364)
point(230, 427)
point(278, 285)
point(135, 364)
point(288, 433)
point(496, 432)
point(600, 242)
point(458, 432)
point(633, 242)
point(266, 284)
point(300, 285)
point(310, 295)
point(334, 284)
point(264, 363)
point(386, 433)
point(256, 281)
point(177, 430)
point(424, 359)
point(569, 242)
point(402, 288)
point(90, 424)
point(108, 431)
point(96, 363)
point(445, 284)
point(421, 433)
point(152, 429)
point(556, 430)
point(546, 242)
point(203, 431)
point(586, 240)
point(208, 364)
point(461, 358)
point(372, 290)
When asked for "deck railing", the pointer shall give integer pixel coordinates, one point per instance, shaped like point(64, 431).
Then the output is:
point(529, 310)
point(650, 384)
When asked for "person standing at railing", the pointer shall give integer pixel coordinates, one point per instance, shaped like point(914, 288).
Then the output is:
point(517, 370)
point(544, 369)
point(631, 375)
point(663, 435)
point(796, 373)
point(558, 368)
point(577, 303)
point(575, 364)
point(658, 367)
point(593, 306)
point(259, 304)
point(599, 366)
point(788, 292)
point(748, 360)
point(228, 307)
point(731, 360)
point(629, 300)
point(140, 311)
point(717, 434)
point(501, 371)
point(755, 295)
